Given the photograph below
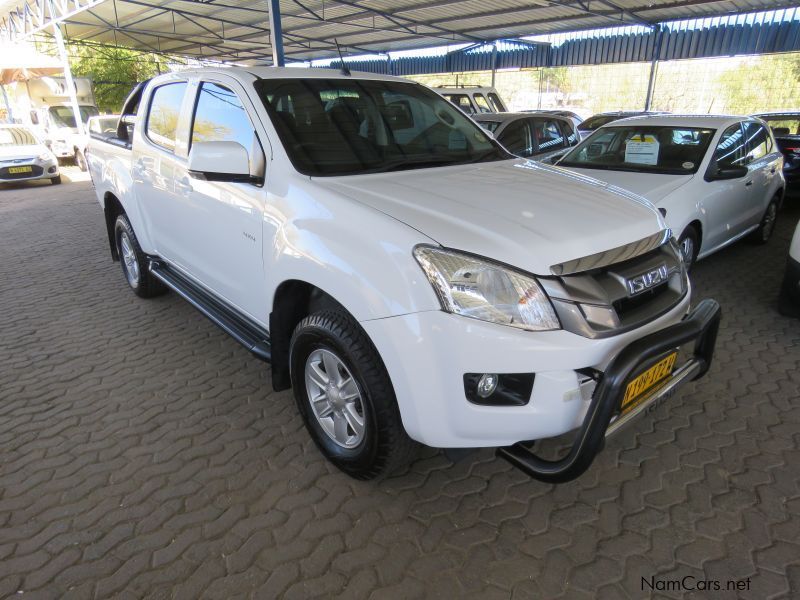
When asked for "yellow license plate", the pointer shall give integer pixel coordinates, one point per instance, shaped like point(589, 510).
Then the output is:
point(648, 380)
point(20, 169)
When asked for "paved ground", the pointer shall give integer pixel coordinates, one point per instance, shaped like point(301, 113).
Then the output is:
point(143, 454)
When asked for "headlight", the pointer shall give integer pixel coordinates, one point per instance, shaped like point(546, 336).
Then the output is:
point(484, 290)
point(45, 156)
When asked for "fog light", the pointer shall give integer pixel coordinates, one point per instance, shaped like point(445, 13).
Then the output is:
point(51, 170)
point(487, 384)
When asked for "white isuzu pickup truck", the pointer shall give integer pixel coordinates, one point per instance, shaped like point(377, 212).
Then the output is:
point(402, 272)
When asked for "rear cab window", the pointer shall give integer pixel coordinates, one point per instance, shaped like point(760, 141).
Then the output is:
point(463, 102)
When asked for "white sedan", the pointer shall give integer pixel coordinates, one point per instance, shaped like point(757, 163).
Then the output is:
point(24, 157)
point(716, 179)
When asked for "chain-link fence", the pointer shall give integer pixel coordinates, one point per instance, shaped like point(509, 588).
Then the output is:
point(737, 85)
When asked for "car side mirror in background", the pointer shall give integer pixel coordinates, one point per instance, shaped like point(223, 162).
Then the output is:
point(716, 173)
point(220, 161)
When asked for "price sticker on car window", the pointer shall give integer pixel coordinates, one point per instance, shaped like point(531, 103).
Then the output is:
point(642, 150)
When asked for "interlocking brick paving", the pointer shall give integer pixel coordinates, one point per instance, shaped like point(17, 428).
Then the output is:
point(143, 454)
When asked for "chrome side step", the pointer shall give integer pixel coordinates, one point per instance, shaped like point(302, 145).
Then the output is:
point(247, 333)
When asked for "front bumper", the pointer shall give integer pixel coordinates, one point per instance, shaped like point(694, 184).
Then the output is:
point(40, 169)
point(700, 328)
point(789, 300)
point(428, 353)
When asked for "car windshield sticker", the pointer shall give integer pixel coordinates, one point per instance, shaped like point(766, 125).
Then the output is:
point(642, 150)
point(688, 165)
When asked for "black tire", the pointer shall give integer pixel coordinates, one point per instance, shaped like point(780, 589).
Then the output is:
point(767, 226)
point(80, 161)
point(689, 245)
point(134, 261)
point(384, 445)
point(55, 180)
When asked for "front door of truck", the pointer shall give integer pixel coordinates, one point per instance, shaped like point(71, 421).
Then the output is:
point(224, 219)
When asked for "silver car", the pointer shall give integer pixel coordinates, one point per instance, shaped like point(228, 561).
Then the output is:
point(24, 157)
point(541, 136)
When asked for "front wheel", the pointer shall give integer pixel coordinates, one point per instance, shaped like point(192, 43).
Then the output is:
point(689, 245)
point(767, 225)
point(345, 396)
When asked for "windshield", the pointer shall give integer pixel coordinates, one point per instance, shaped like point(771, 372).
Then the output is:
point(352, 126)
point(648, 149)
point(598, 121)
point(62, 116)
point(17, 136)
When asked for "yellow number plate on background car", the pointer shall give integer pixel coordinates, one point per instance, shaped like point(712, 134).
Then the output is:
point(647, 380)
point(20, 169)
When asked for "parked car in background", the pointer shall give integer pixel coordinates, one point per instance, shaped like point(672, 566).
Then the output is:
point(789, 300)
point(473, 99)
point(716, 178)
point(585, 128)
point(531, 135)
point(572, 116)
point(24, 157)
point(103, 125)
point(494, 300)
point(786, 129)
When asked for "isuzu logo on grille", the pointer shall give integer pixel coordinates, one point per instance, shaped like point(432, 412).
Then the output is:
point(646, 281)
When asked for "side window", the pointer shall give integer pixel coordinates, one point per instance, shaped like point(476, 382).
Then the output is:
point(730, 150)
point(483, 105)
point(547, 134)
point(494, 99)
point(221, 117)
point(165, 109)
point(463, 102)
point(517, 138)
point(758, 141)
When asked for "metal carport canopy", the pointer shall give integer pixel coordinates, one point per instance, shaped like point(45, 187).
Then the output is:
point(239, 30)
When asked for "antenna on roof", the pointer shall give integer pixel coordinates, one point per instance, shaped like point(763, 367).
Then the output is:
point(344, 69)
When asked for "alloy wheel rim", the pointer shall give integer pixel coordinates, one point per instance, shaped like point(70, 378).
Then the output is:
point(335, 398)
point(687, 249)
point(769, 222)
point(129, 259)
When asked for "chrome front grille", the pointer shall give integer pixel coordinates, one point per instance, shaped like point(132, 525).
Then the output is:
point(603, 301)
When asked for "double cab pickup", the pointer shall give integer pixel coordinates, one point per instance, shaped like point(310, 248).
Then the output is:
point(405, 275)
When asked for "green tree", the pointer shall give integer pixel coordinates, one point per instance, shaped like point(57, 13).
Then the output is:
point(114, 71)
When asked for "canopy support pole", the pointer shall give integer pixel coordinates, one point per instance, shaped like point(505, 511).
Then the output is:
point(275, 33)
point(70, 82)
point(651, 84)
point(9, 112)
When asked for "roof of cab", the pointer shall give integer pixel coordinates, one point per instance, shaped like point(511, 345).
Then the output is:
point(511, 116)
point(670, 120)
point(248, 73)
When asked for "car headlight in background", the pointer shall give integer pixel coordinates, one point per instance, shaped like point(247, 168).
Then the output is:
point(480, 289)
point(45, 156)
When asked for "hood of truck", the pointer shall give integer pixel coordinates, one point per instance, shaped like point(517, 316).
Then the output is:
point(653, 186)
point(525, 214)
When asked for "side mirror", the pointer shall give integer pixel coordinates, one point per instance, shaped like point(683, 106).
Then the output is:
point(716, 174)
point(220, 161)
